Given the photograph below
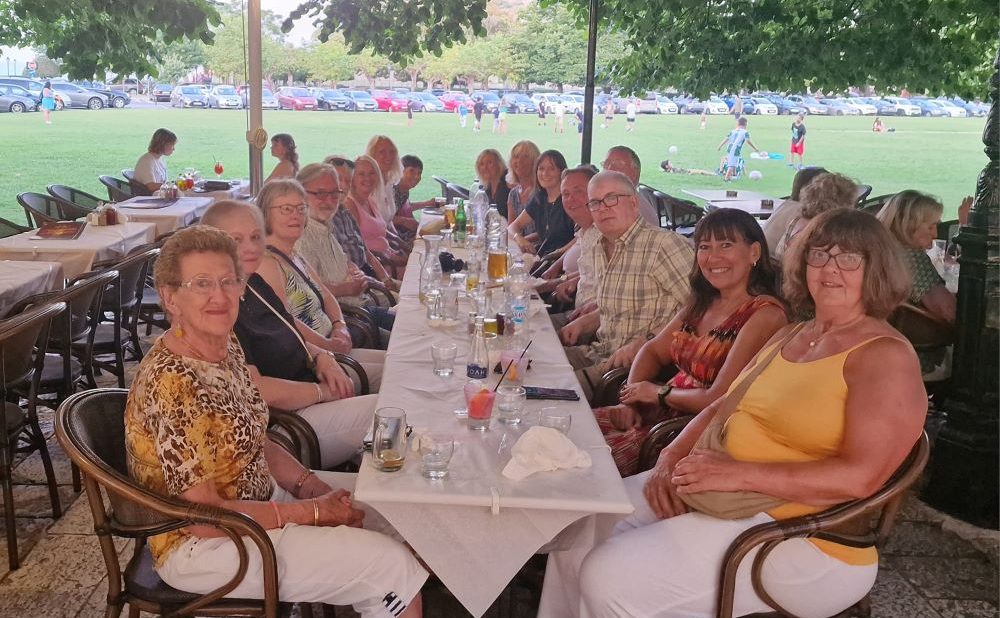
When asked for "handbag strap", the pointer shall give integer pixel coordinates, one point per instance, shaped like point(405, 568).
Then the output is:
point(734, 396)
point(288, 260)
point(284, 321)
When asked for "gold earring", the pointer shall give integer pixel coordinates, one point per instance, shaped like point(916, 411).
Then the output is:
point(178, 332)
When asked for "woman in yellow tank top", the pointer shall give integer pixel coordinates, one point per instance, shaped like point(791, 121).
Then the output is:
point(828, 419)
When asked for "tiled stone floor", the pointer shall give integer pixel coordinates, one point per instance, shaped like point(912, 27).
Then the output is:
point(933, 567)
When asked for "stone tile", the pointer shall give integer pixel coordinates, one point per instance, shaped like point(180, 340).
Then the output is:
point(31, 470)
point(76, 519)
point(989, 547)
point(954, 578)
point(894, 597)
point(915, 538)
point(950, 608)
point(33, 501)
point(30, 531)
point(56, 582)
point(915, 510)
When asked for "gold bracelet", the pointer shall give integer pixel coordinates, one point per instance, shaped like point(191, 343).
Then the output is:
point(301, 481)
point(315, 512)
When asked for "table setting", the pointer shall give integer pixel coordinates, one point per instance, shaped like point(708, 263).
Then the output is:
point(96, 243)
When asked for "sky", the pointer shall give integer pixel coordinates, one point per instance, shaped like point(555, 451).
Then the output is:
point(303, 29)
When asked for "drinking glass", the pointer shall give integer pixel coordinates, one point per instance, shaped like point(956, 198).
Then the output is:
point(443, 354)
point(515, 375)
point(479, 402)
point(556, 418)
point(435, 449)
point(218, 169)
point(472, 269)
point(510, 404)
point(389, 439)
point(496, 265)
point(449, 215)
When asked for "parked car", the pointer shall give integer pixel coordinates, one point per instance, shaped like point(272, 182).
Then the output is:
point(648, 104)
point(550, 98)
point(80, 97)
point(763, 107)
point(295, 98)
point(521, 103)
point(573, 102)
point(412, 100)
point(840, 107)
point(389, 101)
point(666, 106)
point(116, 98)
point(161, 93)
point(971, 108)
point(332, 99)
point(34, 88)
point(930, 108)
point(905, 107)
point(490, 99)
point(452, 100)
point(785, 106)
point(16, 99)
point(812, 104)
point(882, 107)
point(431, 102)
point(223, 97)
point(953, 109)
point(132, 86)
point(363, 102)
point(864, 107)
point(188, 96)
point(267, 98)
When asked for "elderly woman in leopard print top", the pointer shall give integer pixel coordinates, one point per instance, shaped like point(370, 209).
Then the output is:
point(195, 428)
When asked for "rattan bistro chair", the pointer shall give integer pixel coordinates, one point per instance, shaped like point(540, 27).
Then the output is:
point(9, 228)
point(38, 208)
point(90, 426)
point(118, 190)
point(76, 197)
point(676, 214)
point(137, 187)
point(19, 363)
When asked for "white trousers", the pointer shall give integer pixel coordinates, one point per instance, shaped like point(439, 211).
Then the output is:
point(340, 426)
point(373, 362)
point(365, 568)
point(669, 569)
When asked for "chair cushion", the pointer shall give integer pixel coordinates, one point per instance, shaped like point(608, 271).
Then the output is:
point(52, 372)
point(14, 416)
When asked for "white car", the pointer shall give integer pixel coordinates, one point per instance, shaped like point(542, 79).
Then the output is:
point(763, 107)
point(665, 105)
point(904, 107)
point(573, 102)
point(224, 97)
point(862, 106)
point(953, 110)
point(550, 99)
point(715, 105)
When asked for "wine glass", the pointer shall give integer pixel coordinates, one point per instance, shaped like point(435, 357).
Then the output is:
point(219, 169)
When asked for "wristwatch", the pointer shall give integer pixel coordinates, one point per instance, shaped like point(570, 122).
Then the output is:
point(661, 395)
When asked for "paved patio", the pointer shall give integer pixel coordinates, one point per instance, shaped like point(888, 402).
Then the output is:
point(934, 566)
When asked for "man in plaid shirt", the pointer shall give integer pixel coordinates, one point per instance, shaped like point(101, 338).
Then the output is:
point(642, 275)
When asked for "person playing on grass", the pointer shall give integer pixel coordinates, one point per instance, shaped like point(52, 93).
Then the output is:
point(477, 111)
point(463, 115)
point(798, 140)
point(630, 111)
point(559, 111)
point(609, 113)
point(735, 140)
point(541, 113)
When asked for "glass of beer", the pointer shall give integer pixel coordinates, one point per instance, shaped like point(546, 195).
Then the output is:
point(449, 215)
point(496, 265)
point(472, 270)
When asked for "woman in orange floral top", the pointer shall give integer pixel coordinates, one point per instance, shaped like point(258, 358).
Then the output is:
point(732, 312)
point(195, 428)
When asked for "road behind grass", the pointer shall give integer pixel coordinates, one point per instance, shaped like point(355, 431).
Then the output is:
point(942, 156)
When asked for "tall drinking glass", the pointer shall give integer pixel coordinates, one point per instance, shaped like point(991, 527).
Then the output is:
point(496, 265)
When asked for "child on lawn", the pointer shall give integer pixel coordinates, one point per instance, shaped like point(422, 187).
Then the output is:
point(736, 138)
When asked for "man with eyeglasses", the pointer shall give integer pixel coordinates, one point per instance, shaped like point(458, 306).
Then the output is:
point(642, 281)
point(623, 159)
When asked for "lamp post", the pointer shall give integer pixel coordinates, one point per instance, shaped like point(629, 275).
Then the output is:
point(963, 472)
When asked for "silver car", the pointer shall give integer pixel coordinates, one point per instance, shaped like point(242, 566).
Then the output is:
point(15, 99)
point(76, 96)
point(188, 96)
point(223, 97)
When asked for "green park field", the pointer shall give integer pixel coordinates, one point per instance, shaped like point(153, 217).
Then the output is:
point(942, 156)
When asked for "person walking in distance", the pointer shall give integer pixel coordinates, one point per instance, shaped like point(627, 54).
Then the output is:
point(48, 102)
point(630, 111)
point(463, 115)
point(541, 113)
point(559, 111)
point(477, 111)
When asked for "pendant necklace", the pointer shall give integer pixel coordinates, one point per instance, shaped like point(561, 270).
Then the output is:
point(813, 342)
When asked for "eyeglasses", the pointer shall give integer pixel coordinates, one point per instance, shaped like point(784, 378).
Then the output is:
point(326, 195)
point(291, 209)
point(203, 285)
point(818, 258)
point(609, 201)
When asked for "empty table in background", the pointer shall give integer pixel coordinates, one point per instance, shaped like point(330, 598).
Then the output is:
point(719, 195)
point(77, 256)
point(19, 280)
point(181, 213)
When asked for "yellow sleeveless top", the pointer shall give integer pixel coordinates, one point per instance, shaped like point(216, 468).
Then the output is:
point(794, 412)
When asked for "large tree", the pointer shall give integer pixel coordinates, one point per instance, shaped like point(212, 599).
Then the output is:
point(396, 30)
point(90, 37)
point(696, 45)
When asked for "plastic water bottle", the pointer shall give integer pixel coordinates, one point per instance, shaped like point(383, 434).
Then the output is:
point(496, 233)
point(517, 292)
point(479, 204)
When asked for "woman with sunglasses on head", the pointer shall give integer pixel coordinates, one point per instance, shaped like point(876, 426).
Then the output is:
point(824, 414)
point(195, 427)
point(545, 211)
point(316, 310)
point(732, 312)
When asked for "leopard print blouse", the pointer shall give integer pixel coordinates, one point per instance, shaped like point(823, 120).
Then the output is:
point(189, 421)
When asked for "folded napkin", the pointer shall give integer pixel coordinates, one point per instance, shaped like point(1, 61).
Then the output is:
point(543, 449)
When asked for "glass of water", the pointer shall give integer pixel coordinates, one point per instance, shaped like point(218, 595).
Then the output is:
point(510, 404)
point(556, 418)
point(436, 449)
point(443, 354)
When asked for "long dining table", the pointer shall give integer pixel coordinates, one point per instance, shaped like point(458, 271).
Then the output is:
point(476, 528)
point(77, 256)
point(167, 215)
point(19, 280)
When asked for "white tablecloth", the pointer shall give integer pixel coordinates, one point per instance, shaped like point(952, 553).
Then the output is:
point(168, 218)
point(18, 280)
point(77, 256)
point(750, 206)
point(476, 528)
point(719, 195)
point(234, 192)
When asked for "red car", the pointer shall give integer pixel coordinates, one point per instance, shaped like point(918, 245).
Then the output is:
point(452, 100)
point(296, 98)
point(389, 101)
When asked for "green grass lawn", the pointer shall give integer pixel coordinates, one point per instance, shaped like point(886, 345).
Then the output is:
point(940, 155)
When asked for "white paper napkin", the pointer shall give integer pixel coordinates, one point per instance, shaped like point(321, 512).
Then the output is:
point(543, 449)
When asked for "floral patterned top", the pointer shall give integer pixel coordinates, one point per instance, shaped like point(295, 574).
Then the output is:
point(189, 421)
point(922, 272)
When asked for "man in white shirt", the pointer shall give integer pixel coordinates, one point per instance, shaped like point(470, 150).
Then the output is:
point(559, 111)
point(630, 111)
point(623, 159)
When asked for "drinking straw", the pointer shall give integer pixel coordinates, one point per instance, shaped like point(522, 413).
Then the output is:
point(504, 374)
